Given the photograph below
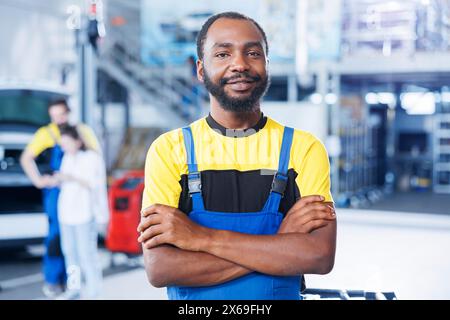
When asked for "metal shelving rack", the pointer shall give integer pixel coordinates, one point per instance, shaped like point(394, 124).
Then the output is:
point(370, 49)
point(441, 150)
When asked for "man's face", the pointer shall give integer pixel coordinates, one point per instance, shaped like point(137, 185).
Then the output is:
point(234, 64)
point(58, 114)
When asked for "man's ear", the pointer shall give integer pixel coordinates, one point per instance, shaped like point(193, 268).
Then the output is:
point(200, 70)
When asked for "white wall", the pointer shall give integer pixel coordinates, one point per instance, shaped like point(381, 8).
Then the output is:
point(147, 116)
point(35, 41)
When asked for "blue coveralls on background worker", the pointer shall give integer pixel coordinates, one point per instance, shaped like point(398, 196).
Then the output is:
point(46, 139)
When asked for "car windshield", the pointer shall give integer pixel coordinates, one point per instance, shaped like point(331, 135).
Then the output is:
point(26, 106)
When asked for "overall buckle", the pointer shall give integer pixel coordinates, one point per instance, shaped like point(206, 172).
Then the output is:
point(279, 183)
point(194, 183)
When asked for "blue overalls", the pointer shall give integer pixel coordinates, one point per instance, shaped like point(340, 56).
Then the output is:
point(54, 267)
point(254, 286)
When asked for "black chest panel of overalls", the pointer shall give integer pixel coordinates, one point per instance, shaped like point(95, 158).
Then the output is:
point(238, 191)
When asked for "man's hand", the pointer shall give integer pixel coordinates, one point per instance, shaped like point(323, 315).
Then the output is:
point(307, 214)
point(161, 224)
point(46, 181)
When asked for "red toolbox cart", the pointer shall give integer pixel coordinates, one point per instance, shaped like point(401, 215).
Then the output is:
point(125, 199)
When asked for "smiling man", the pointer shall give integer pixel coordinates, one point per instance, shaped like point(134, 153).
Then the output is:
point(236, 205)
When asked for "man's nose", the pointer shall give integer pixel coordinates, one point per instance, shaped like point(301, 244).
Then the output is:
point(239, 63)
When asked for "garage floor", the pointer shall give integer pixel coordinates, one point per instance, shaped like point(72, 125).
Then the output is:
point(391, 251)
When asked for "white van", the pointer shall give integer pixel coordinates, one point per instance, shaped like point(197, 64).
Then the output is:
point(23, 109)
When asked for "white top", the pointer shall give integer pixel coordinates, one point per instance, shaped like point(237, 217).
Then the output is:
point(77, 203)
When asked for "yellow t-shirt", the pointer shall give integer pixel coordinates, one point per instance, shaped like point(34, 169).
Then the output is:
point(47, 136)
point(236, 171)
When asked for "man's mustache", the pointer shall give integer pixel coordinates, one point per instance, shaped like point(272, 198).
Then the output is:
point(245, 76)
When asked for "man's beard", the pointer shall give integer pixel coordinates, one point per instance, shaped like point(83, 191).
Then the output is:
point(245, 104)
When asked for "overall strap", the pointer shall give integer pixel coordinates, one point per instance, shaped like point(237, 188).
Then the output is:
point(280, 178)
point(285, 150)
point(57, 153)
point(194, 179)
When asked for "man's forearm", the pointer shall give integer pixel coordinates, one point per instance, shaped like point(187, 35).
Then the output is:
point(200, 256)
point(29, 167)
point(280, 254)
point(167, 265)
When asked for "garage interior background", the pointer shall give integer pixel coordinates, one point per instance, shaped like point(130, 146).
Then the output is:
point(372, 76)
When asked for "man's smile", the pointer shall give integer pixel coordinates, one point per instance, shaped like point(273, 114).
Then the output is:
point(241, 85)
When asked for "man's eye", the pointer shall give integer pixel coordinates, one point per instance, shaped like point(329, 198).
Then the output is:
point(222, 55)
point(254, 54)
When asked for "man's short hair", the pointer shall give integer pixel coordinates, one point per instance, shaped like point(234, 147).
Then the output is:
point(229, 15)
point(58, 102)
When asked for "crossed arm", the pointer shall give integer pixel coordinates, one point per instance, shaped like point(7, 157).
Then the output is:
point(178, 251)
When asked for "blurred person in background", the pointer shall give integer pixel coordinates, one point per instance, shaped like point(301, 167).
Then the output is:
point(197, 86)
point(82, 207)
point(255, 213)
point(47, 139)
point(192, 97)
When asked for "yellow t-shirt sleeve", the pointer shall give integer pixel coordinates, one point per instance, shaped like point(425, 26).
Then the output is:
point(314, 172)
point(41, 141)
point(89, 138)
point(162, 173)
